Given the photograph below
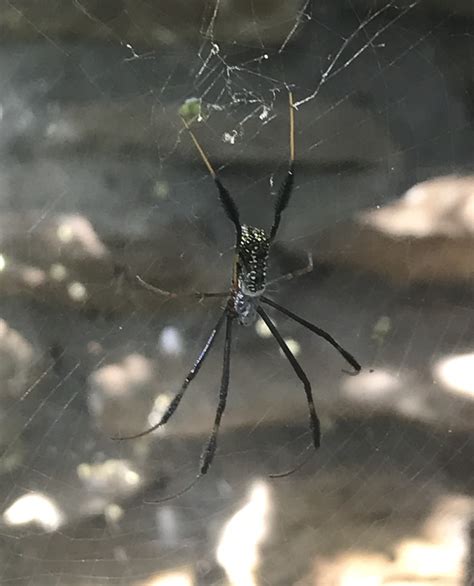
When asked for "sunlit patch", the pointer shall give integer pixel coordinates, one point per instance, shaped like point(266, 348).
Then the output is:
point(77, 291)
point(168, 526)
point(65, 233)
point(441, 552)
point(17, 358)
point(113, 474)
point(34, 508)
point(427, 559)
point(113, 513)
point(262, 329)
point(160, 405)
point(57, 272)
point(440, 206)
point(132, 374)
point(33, 276)
point(293, 345)
point(95, 348)
point(457, 373)
point(161, 190)
point(437, 555)
point(61, 131)
point(78, 229)
point(171, 341)
point(381, 329)
point(3, 262)
point(355, 568)
point(169, 579)
point(238, 547)
point(415, 406)
point(369, 385)
point(138, 368)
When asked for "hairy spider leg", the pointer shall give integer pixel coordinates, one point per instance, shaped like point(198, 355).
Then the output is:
point(226, 199)
point(286, 188)
point(318, 331)
point(189, 378)
point(313, 418)
point(209, 450)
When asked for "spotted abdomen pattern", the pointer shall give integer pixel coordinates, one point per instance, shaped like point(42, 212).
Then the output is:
point(253, 256)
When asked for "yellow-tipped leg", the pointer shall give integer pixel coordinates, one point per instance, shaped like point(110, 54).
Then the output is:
point(200, 150)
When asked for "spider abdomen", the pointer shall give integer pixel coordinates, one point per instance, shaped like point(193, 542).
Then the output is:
point(252, 251)
point(245, 308)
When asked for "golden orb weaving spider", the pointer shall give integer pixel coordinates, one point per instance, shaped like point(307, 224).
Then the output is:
point(244, 304)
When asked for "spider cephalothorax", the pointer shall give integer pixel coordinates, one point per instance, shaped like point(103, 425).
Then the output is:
point(252, 253)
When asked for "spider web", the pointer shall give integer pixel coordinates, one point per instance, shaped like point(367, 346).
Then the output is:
point(101, 182)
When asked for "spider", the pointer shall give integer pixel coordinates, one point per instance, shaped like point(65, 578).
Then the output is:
point(244, 304)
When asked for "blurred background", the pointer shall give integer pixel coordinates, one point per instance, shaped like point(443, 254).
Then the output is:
point(99, 182)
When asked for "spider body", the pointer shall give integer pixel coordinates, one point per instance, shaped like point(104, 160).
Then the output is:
point(250, 274)
point(252, 254)
point(245, 307)
point(245, 304)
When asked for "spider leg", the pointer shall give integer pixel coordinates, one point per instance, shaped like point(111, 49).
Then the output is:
point(179, 395)
point(227, 202)
point(295, 468)
point(286, 188)
point(294, 274)
point(172, 295)
point(230, 207)
point(313, 418)
point(209, 450)
point(318, 331)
